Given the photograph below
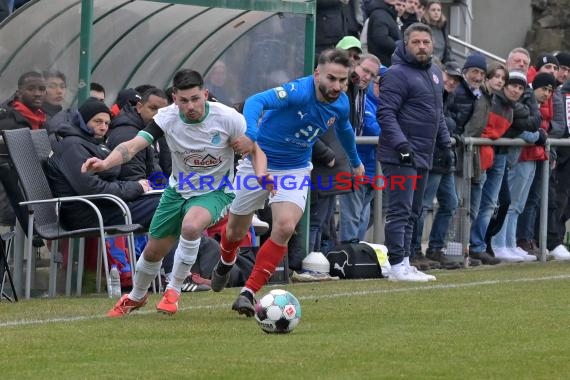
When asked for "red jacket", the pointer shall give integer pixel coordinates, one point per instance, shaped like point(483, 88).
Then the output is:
point(500, 119)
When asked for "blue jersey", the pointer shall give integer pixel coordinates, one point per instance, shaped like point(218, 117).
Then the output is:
point(292, 120)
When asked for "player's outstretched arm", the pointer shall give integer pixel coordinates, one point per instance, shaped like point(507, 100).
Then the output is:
point(121, 154)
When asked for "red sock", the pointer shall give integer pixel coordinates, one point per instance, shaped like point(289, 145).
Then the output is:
point(269, 255)
point(228, 248)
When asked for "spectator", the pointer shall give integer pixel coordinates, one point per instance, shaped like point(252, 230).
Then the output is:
point(56, 86)
point(409, 15)
point(81, 134)
point(553, 114)
point(331, 24)
point(97, 91)
point(440, 183)
point(435, 18)
point(411, 115)
point(521, 174)
point(563, 58)
point(353, 47)
point(364, 75)
point(126, 125)
point(383, 30)
point(22, 111)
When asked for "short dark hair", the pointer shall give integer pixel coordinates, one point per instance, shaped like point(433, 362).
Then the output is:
point(54, 74)
point(30, 74)
point(417, 27)
point(141, 89)
point(338, 56)
point(153, 91)
point(94, 86)
point(185, 79)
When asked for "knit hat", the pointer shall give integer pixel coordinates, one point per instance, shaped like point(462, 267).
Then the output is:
point(545, 58)
point(349, 42)
point(92, 107)
point(517, 77)
point(544, 80)
point(452, 68)
point(563, 58)
point(475, 60)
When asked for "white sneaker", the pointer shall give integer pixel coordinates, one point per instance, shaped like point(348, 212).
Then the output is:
point(504, 254)
point(518, 251)
point(419, 273)
point(560, 253)
point(401, 272)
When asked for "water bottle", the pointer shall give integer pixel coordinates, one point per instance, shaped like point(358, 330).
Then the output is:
point(115, 282)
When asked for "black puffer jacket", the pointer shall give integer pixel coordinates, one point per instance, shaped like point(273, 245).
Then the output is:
point(383, 30)
point(462, 107)
point(526, 115)
point(124, 127)
point(75, 145)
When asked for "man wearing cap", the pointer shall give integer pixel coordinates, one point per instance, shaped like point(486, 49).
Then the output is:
point(365, 72)
point(353, 46)
point(81, 133)
point(563, 58)
point(521, 176)
point(468, 91)
point(441, 183)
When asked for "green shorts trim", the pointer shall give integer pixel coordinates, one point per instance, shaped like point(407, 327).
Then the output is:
point(167, 219)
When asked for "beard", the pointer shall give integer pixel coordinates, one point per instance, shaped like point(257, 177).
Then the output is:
point(329, 95)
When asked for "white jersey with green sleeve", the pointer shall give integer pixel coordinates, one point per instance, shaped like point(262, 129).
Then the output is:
point(202, 157)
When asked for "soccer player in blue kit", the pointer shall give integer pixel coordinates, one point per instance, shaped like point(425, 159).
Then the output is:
point(292, 118)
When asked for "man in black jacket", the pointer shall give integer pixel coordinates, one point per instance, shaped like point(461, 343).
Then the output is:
point(81, 133)
point(127, 124)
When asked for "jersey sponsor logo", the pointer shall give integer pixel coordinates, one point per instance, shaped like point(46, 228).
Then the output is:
point(309, 132)
point(301, 114)
point(201, 163)
point(281, 93)
point(216, 138)
point(293, 87)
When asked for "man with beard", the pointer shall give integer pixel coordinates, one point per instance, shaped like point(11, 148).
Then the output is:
point(411, 116)
point(293, 116)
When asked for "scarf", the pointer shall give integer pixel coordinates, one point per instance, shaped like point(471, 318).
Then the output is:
point(36, 118)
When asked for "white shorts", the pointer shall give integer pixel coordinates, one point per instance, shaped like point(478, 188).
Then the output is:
point(292, 186)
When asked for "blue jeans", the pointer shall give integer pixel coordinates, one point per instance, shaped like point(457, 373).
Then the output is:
point(483, 202)
point(441, 186)
point(322, 210)
point(355, 213)
point(520, 180)
point(404, 207)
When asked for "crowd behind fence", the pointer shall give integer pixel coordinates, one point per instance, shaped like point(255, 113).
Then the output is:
point(463, 186)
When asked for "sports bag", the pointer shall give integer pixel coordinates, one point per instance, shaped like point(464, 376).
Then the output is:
point(354, 260)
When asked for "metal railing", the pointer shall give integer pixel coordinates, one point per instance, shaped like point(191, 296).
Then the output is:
point(464, 184)
point(475, 48)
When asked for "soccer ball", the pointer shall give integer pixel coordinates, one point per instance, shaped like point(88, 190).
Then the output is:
point(278, 312)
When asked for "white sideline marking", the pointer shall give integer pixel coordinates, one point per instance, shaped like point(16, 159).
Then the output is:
point(18, 323)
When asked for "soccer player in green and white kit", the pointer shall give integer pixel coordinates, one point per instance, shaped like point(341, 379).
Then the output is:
point(199, 134)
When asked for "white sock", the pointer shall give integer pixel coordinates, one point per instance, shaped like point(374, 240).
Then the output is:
point(184, 258)
point(146, 272)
